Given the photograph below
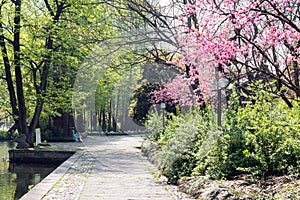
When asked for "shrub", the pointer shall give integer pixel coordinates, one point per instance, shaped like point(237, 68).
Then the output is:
point(177, 158)
point(262, 139)
point(154, 126)
point(272, 137)
point(4, 135)
point(182, 132)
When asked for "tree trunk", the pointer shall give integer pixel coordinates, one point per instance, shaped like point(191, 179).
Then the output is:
point(279, 82)
point(100, 119)
point(12, 129)
point(15, 89)
point(79, 122)
point(42, 88)
point(103, 120)
point(114, 125)
point(122, 114)
point(109, 120)
point(117, 116)
point(22, 123)
point(296, 78)
point(94, 121)
point(8, 75)
point(84, 120)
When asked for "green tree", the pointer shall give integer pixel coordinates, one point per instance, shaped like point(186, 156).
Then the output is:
point(42, 43)
point(141, 103)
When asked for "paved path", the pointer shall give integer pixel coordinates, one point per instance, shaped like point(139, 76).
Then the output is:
point(120, 172)
point(104, 168)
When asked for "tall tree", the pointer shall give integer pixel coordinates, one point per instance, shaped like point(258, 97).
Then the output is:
point(247, 40)
point(40, 40)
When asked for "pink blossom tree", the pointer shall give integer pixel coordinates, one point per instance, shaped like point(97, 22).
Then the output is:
point(175, 92)
point(246, 40)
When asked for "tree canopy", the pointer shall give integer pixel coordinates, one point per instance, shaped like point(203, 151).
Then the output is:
point(48, 48)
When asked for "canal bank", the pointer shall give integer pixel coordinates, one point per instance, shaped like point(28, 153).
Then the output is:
point(17, 178)
point(43, 156)
point(106, 168)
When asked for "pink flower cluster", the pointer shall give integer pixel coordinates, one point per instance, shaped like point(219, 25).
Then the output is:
point(175, 92)
point(253, 33)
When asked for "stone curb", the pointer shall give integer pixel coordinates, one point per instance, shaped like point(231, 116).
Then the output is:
point(72, 182)
point(42, 188)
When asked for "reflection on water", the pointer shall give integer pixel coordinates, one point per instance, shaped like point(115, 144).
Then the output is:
point(7, 180)
point(16, 179)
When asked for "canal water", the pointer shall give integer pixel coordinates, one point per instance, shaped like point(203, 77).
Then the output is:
point(17, 179)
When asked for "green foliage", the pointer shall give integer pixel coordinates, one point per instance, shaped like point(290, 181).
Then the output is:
point(262, 139)
point(4, 135)
point(141, 102)
point(55, 38)
point(272, 136)
point(180, 141)
point(177, 156)
point(154, 126)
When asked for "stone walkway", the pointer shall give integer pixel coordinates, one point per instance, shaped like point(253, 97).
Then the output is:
point(120, 172)
point(104, 168)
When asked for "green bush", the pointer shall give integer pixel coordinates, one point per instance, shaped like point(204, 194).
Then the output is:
point(4, 135)
point(272, 137)
point(154, 126)
point(177, 155)
point(262, 139)
point(179, 142)
point(141, 102)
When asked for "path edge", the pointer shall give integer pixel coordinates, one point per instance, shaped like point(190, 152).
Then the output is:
point(43, 187)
